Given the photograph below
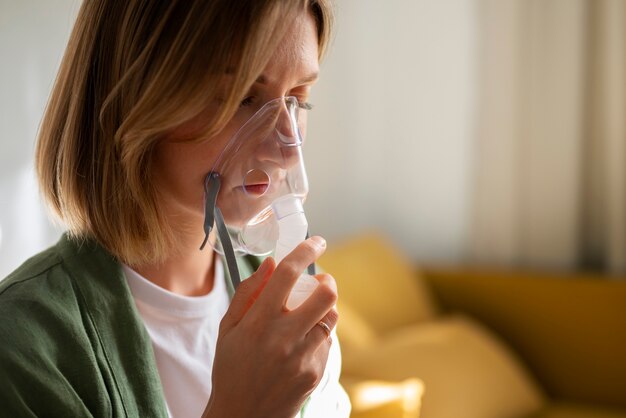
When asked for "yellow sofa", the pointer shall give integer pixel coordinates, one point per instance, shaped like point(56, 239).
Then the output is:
point(476, 343)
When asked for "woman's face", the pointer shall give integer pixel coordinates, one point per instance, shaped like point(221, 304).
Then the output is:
point(181, 167)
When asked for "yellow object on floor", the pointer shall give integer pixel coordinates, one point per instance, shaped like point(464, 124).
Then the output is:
point(371, 398)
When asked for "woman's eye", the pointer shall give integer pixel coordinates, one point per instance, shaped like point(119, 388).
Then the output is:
point(247, 101)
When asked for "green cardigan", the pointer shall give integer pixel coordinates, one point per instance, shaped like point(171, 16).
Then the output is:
point(71, 341)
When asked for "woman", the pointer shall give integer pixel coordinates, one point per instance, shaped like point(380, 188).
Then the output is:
point(125, 316)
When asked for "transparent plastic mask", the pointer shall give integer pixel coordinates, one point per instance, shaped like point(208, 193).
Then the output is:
point(259, 166)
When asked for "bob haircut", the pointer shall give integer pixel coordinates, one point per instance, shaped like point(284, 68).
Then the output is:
point(133, 71)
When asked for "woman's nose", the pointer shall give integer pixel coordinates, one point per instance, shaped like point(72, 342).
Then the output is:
point(287, 124)
point(281, 145)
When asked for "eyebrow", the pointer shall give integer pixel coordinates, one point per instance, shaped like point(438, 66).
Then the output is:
point(307, 79)
point(263, 80)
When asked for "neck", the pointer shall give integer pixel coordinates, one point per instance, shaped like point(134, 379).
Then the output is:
point(189, 273)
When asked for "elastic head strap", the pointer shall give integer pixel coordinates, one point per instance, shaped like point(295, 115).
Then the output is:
point(213, 215)
point(227, 246)
point(212, 184)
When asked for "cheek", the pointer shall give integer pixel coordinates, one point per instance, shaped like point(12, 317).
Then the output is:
point(181, 167)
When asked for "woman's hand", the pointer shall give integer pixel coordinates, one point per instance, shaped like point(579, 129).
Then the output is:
point(268, 359)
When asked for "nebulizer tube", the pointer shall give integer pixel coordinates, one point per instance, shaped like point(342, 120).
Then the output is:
point(292, 230)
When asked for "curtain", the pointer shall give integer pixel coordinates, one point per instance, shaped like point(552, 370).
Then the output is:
point(550, 180)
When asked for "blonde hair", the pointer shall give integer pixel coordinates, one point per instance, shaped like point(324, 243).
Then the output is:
point(133, 71)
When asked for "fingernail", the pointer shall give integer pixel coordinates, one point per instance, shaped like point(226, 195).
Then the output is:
point(319, 241)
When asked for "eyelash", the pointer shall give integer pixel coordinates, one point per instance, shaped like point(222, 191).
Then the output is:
point(250, 99)
point(305, 105)
point(247, 101)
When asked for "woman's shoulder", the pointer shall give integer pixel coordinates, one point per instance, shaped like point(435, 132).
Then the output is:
point(30, 274)
point(39, 314)
point(38, 285)
point(47, 276)
point(46, 349)
point(40, 300)
point(36, 298)
point(71, 339)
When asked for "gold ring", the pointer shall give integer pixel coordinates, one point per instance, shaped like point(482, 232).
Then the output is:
point(325, 327)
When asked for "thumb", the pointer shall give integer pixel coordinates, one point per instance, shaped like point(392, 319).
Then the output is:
point(247, 293)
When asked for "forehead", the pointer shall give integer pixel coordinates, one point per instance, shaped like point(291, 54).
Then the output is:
point(296, 57)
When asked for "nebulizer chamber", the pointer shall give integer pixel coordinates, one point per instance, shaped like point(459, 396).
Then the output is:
point(263, 185)
point(292, 230)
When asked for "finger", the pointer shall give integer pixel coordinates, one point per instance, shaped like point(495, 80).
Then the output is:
point(247, 293)
point(288, 271)
point(320, 334)
point(323, 298)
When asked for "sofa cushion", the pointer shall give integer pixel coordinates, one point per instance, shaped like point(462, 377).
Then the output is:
point(570, 410)
point(467, 372)
point(376, 281)
point(355, 333)
point(570, 329)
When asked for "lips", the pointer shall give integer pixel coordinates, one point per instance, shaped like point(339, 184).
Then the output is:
point(256, 189)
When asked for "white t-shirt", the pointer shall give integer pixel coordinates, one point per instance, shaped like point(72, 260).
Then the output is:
point(184, 331)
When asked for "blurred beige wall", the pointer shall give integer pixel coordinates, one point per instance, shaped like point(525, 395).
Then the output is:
point(390, 138)
point(33, 34)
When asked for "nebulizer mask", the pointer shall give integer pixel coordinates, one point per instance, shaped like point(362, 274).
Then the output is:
point(254, 194)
